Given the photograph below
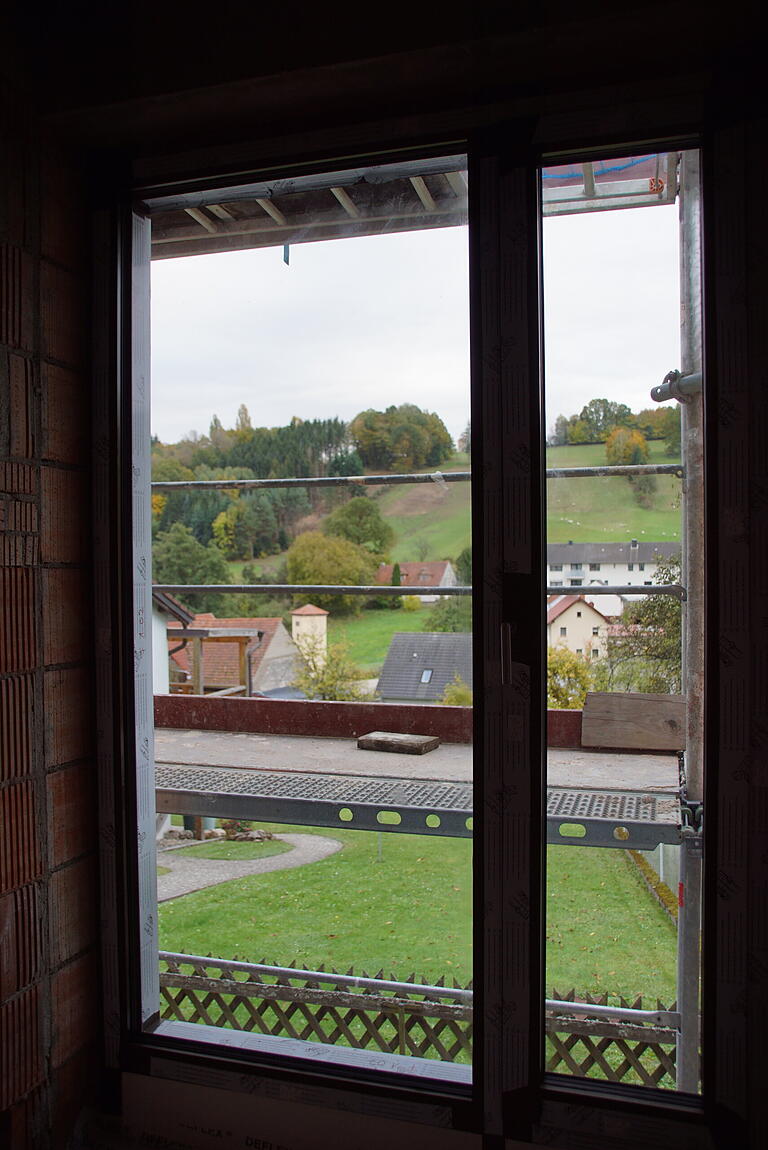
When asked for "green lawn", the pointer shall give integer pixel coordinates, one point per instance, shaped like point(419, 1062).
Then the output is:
point(406, 912)
point(605, 932)
point(226, 850)
point(410, 912)
point(370, 633)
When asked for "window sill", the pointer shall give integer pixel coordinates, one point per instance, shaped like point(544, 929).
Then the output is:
point(323, 1056)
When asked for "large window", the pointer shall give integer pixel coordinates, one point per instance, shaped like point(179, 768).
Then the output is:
point(531, 1019)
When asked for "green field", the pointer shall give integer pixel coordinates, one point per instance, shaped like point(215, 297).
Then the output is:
point(230, 850)
point(600, 509)
point(370, 633)
point(429, 520)
point(406, 912)
point(410, 912)
point(605, 932)
point(437, 520)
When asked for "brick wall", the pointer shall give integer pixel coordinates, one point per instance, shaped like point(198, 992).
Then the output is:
point(49, 967)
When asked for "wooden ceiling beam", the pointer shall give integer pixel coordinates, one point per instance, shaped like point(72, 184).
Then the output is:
point(202, 219)
point(273, 212)
point(351, 209)
point(458, 183)
point(423, 192)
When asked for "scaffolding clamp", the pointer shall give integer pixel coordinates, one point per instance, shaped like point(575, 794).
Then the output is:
point(692, 815)
point(677, 386)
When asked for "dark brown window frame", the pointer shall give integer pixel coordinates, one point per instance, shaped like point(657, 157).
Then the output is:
point(517, 1100)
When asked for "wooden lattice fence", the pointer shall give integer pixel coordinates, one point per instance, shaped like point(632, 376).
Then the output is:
point(362, 1011)
point(608, 1049)
point(371, 1013)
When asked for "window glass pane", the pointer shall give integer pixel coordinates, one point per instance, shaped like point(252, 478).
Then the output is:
point(623, 829)
point(311, 367)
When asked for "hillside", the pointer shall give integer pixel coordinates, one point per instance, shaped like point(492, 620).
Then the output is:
point(584, 510)
point(430, 521)
point(588, 510)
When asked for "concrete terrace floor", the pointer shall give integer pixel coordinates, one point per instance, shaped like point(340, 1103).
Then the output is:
point(450, 762)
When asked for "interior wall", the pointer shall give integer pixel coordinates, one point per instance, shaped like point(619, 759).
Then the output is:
point(50, 1027)
point(49, 959)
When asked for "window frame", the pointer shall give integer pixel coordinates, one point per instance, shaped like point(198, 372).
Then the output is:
point(504, 183)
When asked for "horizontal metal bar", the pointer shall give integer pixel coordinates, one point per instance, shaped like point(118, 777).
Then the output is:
point(314, 812)
point(620, 469)
point(626, 1013)
point(438, 477)
point(319, 976)
point(306, 589)
point(675, 589)
point(624, 834)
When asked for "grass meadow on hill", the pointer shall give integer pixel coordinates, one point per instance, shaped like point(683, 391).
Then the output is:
point(599, 509)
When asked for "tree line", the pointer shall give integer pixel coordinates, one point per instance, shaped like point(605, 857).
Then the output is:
point(245, 525)
point(197, 532)
point(600, 417)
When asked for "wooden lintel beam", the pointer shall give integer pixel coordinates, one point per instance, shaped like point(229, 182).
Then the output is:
point(423, 192)
point(202, 219)
point(273, 212)
point(351, 209)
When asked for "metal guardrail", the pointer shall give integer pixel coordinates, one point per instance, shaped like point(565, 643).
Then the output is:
point(390, 480)
point(307, 589)
point(674, 589)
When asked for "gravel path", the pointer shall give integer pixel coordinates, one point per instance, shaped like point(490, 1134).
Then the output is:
point(188, 874)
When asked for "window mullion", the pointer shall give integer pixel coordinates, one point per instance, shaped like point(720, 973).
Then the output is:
point(508, 513)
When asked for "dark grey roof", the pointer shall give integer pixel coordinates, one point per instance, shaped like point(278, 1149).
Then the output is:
point(643, 552)
point(410, 654)
point(165, 602)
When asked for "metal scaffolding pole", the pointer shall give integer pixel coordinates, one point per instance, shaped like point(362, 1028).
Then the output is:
point(692, 440)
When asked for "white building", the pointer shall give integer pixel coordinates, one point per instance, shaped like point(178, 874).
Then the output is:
point(575, 623)
point(611, 564)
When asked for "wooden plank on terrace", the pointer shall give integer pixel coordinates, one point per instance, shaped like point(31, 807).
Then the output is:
point(404, 744)
point(634, 721)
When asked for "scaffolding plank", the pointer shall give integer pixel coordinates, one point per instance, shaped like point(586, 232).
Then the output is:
point(618, 819)
point(634, 721)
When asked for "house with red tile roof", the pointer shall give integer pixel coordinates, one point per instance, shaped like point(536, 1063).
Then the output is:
point(268, 662)
point(575, 623)
point(435, 573)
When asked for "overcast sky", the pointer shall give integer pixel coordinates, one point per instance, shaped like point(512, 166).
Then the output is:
point(383, 320)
